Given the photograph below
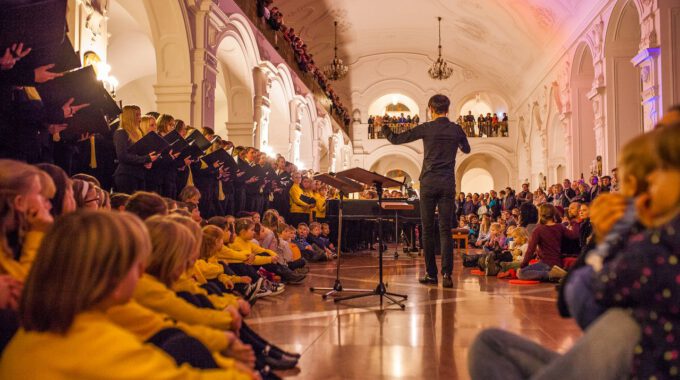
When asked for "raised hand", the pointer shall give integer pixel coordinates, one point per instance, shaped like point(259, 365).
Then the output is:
point(43, 74)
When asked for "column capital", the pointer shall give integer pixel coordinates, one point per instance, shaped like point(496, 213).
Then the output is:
point(646, 54)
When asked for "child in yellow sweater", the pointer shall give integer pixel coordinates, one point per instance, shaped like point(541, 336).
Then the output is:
point(64, 322)
point(174, 249)
point(245, 232)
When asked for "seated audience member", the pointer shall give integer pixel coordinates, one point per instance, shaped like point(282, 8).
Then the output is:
point(635, 163)
point(208, 273)
point(309, 252)
point(326, 234)
point(528, 216)
point(195, 213)
point(85, 195)
point(190, 194)
point(243, 244)
point(496, 239)
point(289, 251)
point(54, 340)
point(63, 201)
point(484, 231)
point(118, 201)
point(622, 349)
point(518, 248)
point(25, 196)
point(314, 238)
point(545, 243)
point(145, 205)
point(194, 308)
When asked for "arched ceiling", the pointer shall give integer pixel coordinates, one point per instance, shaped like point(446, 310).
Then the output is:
point(495, 41)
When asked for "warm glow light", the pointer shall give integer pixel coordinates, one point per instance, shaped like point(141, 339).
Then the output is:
point(266, 149)
point(395, 100)
point(300, 165)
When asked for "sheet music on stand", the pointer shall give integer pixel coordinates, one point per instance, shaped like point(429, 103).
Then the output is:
point(345, 186)
point(380, 182)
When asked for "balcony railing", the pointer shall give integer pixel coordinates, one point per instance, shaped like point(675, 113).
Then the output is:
point(249, 8)
point(470, 129)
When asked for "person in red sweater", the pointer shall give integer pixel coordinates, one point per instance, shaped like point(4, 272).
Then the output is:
point(545, 243)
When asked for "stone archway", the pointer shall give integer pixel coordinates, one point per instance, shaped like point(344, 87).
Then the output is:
point(583, 115)
point(624, 108)
point(390, 162)
point(171, 37)
point(483, 162)
point(236, 75)
point(130, 33)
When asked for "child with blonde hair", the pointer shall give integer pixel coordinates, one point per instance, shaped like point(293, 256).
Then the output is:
point(64, 322)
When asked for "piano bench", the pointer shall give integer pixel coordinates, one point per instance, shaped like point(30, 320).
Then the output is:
point(461, 237)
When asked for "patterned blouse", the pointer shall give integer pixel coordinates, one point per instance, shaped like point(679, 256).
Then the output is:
point(645, 277)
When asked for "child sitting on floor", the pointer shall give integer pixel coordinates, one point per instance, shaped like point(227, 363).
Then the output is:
point(520, 243)
point(326, 234)
point(289, 251)
point(308, 251)
point(314, 238)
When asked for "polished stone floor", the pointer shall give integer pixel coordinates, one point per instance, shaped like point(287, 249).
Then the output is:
point(429, 340)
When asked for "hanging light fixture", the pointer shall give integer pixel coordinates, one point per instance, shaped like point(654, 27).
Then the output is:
point(337, 69)
point(440, 70)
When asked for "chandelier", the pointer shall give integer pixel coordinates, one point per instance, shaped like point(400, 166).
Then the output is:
point(337, 69)
point(440, 70)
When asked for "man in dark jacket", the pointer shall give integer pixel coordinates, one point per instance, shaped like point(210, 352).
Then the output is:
point(441, 139)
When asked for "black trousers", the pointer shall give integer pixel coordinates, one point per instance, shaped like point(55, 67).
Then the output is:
point(183, 348)
point(441, 198)
point(9, 324)
point(128, 184)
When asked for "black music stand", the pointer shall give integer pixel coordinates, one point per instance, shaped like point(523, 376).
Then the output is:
point(380, 182)
point(397, 206)
point(345, 187)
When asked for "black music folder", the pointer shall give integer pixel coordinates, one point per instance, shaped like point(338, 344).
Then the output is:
point(220, 155)
point(88, 120)
point(80, 84)
point(197, 137)
point(192, 151)
point(307, 199)
point(63, 56)
point(173, 136)
point(152, 142)
point(37, 24)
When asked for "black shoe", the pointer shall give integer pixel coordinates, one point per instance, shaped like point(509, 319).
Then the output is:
point(427, 280)
point(447, 282)
point(276, 352)
point(280, 364)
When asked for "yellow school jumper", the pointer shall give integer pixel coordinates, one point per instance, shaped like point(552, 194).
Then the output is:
point(19, 269)
point(188, 283)
point(145, 323)
point(154, 295)
point(230, 255)
point(94, 348)
point(204, 271)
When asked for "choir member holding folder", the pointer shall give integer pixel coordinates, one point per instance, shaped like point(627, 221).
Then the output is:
point(132, 163)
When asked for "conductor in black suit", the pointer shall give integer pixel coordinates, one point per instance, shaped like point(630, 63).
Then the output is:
point(441, 139)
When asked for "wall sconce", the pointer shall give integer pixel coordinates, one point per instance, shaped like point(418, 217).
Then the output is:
point(103, 71)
